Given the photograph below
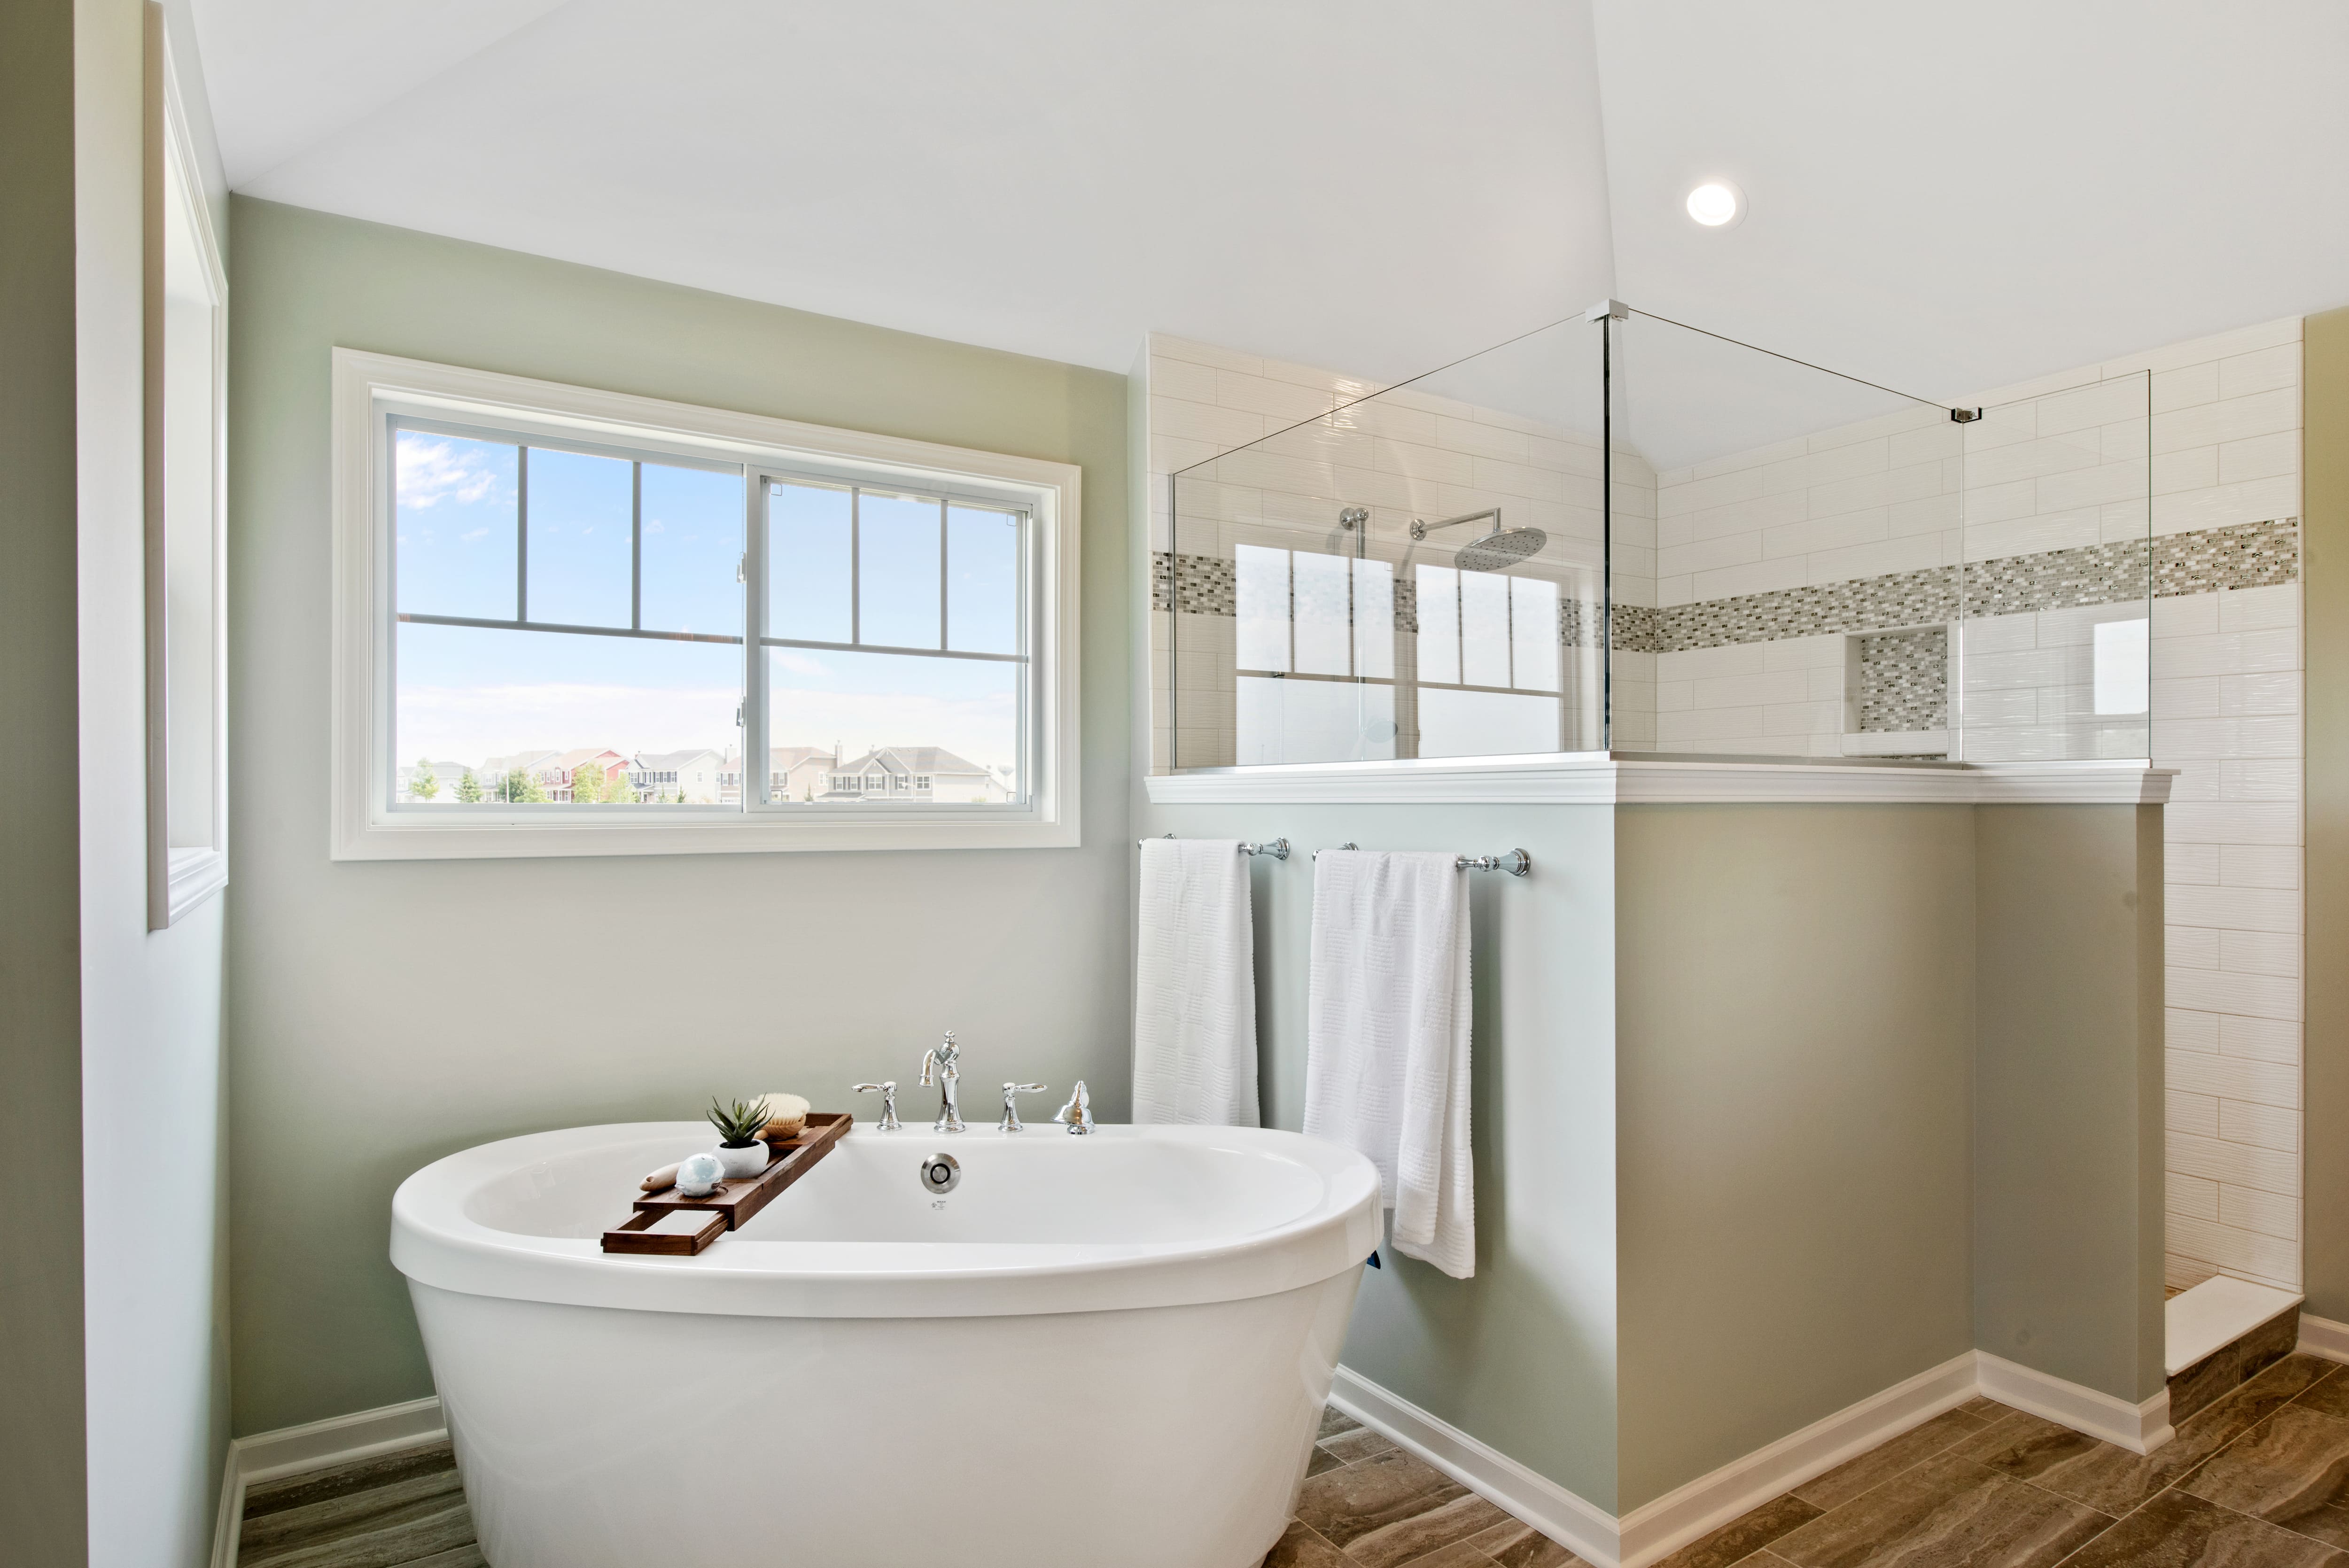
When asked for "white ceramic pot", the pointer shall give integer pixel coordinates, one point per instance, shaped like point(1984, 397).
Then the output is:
point(741, 1162)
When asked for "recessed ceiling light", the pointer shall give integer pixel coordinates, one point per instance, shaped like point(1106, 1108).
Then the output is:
point(1716, 204)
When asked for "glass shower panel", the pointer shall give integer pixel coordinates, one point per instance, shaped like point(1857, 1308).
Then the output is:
point(1786, 548)
point(2057, 578)
point(1419, 572)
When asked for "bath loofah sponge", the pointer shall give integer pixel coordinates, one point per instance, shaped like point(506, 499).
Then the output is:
point(786, 1117)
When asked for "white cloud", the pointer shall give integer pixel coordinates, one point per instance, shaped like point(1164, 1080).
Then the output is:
point(797, 664)
point(433, 471)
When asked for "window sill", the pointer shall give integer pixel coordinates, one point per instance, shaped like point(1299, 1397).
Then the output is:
point(1600, 778)
point(190, 877)
point(412, 836)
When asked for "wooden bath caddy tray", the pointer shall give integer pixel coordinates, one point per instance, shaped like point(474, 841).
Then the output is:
point(737, 1198)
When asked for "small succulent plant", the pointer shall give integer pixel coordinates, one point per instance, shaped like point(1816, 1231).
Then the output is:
point(737, 1124)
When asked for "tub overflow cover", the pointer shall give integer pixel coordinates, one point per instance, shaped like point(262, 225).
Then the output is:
point(940, 1172)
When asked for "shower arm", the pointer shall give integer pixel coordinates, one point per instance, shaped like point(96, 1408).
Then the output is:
point(1419, 530)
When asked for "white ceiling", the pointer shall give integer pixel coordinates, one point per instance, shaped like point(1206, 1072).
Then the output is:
point(1942, 197)
point(1375, 184)
point(1953, 197)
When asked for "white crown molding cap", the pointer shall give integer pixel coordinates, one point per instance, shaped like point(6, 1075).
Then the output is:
point(1600, 778)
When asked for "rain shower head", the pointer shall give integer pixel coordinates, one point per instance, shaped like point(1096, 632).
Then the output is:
point(1496, 551)
point(1499, 551)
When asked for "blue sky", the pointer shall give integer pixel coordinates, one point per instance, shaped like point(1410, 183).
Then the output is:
point(467, 692)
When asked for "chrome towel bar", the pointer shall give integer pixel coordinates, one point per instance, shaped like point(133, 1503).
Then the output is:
point(1516, 862)
point(1277, 849)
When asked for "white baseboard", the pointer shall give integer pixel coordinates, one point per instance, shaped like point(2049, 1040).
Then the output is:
point(2140, 1428)
point(1582, 1528)
point(1654, 1529)
point(2322, 1337)
point(1660, 1527)
point(230, 1522)
point(1648, 1533)
point(319, 1445)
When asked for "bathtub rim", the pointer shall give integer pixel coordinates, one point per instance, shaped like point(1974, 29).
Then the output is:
point(435, 1241)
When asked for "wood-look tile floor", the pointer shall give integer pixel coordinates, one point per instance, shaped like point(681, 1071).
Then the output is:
point(404, 1509)
point(2259, 1480)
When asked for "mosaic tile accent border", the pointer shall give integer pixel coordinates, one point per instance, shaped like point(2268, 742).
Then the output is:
point(2249, 555)
point(1864, 603)
point(2246, 555)
point(1904, 680)
point(1195, 584)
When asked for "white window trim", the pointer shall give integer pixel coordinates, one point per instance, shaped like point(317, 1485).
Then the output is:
point(178, 880)
point(370, 386)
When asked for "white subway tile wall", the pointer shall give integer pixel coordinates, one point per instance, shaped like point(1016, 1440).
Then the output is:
point(2061, 464)
point(1402, 454)
point(2182, 440)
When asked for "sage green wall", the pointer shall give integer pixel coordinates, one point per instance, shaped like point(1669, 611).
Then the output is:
point(2324, 579)
point(42, 1475)
point(1794, 996)
point(383, 1015)
point(1775, 1106)
point(2068, 1101)
point(1523, 1354)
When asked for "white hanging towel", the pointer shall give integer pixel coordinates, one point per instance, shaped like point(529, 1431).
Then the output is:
point(1195, 986)
point(1387, 1025)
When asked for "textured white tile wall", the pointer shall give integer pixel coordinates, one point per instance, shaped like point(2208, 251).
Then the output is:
point(1857, 501)
point(2228, 714)
point(2064, 461)
point(1403, 454)
point(2219, 420)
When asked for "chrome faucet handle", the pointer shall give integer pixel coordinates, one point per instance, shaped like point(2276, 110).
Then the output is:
point(887, 1090)
point(1012, 1122)
point(1079, 1113)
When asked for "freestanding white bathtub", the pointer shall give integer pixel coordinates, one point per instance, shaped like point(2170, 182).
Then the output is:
point(1111, 1349)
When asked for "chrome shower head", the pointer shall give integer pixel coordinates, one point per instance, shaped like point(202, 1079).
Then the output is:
point(1499, 551)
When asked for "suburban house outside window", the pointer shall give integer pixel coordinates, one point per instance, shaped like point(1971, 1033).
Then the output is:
point(565, 618)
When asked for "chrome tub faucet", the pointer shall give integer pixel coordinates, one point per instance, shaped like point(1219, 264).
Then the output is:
point(939, 1072)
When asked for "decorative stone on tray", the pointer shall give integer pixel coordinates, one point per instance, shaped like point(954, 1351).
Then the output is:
point(697, 1175)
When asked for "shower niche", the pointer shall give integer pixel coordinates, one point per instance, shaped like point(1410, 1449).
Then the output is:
point(1895, 687)
point(1623, 534)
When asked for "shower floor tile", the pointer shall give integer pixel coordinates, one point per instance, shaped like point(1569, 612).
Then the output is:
point(2256, 1481)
